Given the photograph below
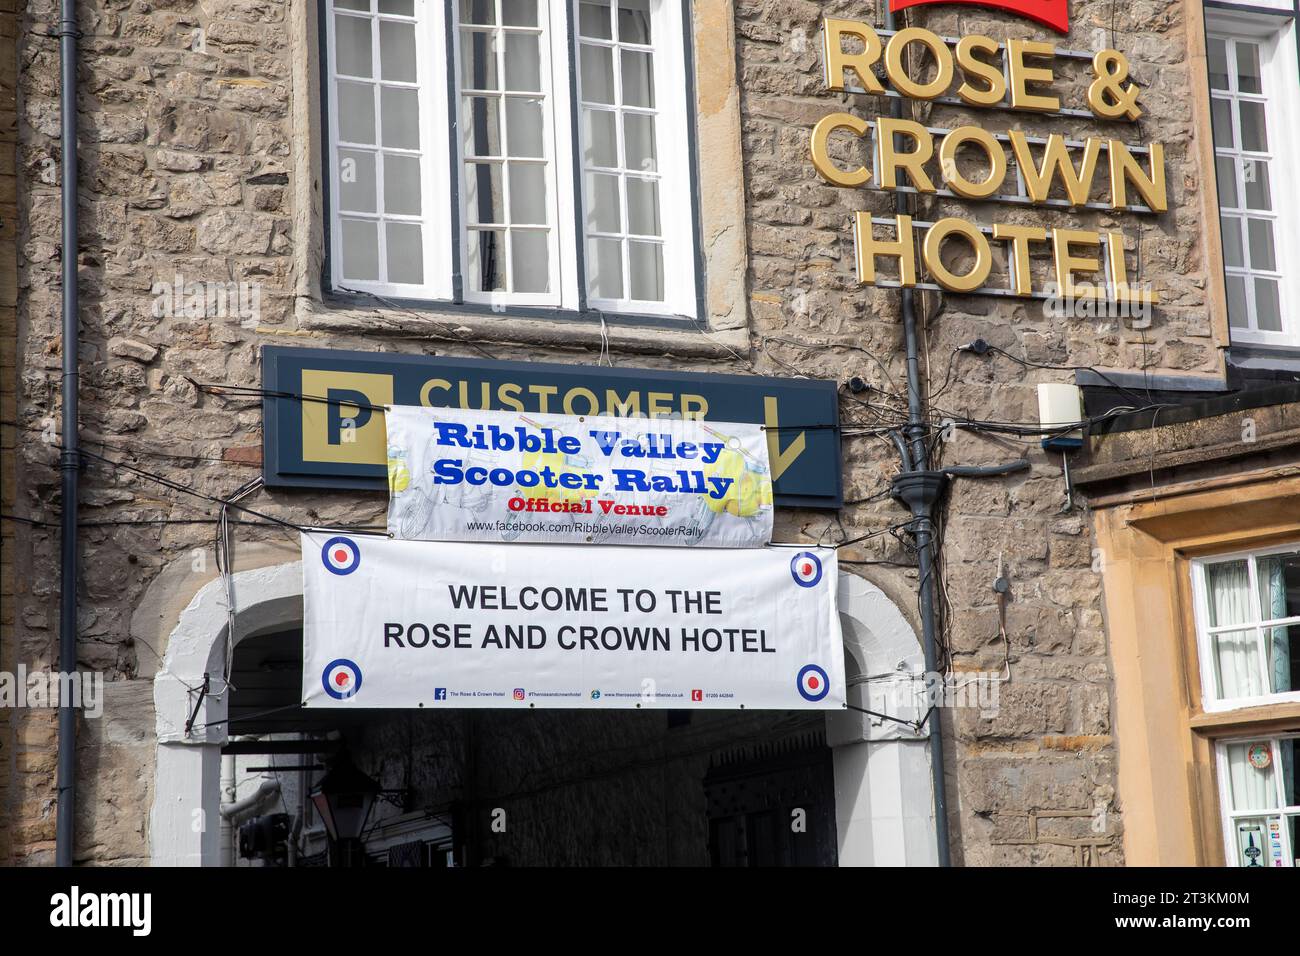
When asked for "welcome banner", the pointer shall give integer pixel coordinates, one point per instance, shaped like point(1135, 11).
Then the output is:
point(413, 624)
point(468, 475)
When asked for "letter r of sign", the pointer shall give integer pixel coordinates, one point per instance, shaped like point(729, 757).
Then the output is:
point(781, 460)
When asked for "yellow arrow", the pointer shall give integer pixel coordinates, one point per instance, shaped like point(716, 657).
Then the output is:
point(781, 460)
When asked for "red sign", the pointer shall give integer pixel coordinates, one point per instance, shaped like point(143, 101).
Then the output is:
point(1051, 13)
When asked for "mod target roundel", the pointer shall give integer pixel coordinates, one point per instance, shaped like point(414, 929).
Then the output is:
point(342, 678)
point(813, 683)
point(340, 555)
point(806, 569)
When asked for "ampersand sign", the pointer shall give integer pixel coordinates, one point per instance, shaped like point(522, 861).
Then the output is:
point(1108, 96)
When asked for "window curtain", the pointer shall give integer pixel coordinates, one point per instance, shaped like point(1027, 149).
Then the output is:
point(1279, 645)
point(1278, 642)
point(1252, 789)
point(1236, 653)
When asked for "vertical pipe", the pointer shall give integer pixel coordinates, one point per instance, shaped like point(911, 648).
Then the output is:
point(69, 459)
point(923, 524)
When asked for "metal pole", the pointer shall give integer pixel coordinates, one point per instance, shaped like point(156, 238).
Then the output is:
point(921, 497)
point(69, 459)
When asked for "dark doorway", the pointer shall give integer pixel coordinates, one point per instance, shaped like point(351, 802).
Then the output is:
point(773, 805)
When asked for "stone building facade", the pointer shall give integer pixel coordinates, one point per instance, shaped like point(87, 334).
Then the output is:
point(201, 156)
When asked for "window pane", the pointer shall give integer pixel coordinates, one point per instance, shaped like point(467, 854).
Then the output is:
point(356, 181)
point(1238, 667)
point(600, 138)
point(643, 207)
point(400, 8)
point(528, 193)
point(356, 112)
point(478, 11)
point(524, 126)
point(482, 126)
point(401, 117)
point(1279, 585)
point(360, 249)
point(1231, 227)
point(478, 60)
point(1221, 119)
point(1260, 232)
point(1258, 193)
point(1238, 316)
point(397, 51)
point(1254, 840)
point(405, 253)
point(487, 261)
point(1282, 645)
point(1250, 775)
point(603, 213)
point(1268, 308)
point(1248, 67)
point(639, 142)
point(352, 46)
point(597, 74)
point(484, 198)
point(594, 19)
point(530, 262)
point(1254, 136)
point(1225, 173)
point(1218, 56)
point(523, 63)
point(634, 21)
point(519, 13)
point(606, 268)
point(1290, 779)
point(1227, 587)
point(638, 79)
point(401, 185)
point(646, 261)
point(353, 5)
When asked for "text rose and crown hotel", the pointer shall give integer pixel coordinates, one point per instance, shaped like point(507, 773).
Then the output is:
point(947, 345)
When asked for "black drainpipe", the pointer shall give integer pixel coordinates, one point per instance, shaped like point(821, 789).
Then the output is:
point(920, 489)
point(69, 459)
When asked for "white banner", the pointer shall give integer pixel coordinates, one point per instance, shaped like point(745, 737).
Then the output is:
point(467, 475)
point(422, 624)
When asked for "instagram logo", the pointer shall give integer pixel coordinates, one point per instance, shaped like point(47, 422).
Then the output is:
point(519, 693)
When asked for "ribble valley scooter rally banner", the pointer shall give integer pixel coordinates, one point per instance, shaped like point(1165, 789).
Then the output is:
point(469, 475)
point(410, 624)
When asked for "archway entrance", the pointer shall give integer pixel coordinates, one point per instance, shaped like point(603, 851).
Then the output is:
point(530, 787)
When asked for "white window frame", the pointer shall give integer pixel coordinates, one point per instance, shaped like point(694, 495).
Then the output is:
point(557, 152)
point(442, 258)
point(1280, 81)
point(435, 178)
point(676, 213)
point(1210, 703)
point(1228, 817)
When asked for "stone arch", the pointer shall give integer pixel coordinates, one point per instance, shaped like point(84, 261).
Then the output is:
point(884, 801)
point(184, 822)
point(884, 806)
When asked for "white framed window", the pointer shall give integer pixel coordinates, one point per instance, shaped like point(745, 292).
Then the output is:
point(1255, 108)
point(528, 153)
point(1248, 627)
point(1259, 800)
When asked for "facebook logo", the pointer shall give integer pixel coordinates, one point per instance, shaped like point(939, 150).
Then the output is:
point(440, 693)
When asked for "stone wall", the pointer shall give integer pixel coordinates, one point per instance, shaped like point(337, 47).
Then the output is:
point(192, 164)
